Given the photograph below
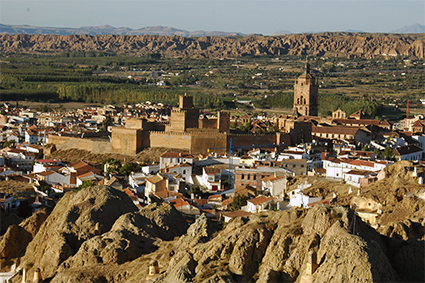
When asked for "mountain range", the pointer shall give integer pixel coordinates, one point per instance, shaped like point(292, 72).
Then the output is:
point(107, 29)
point(153, 30)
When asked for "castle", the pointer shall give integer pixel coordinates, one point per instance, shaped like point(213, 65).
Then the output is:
point(187, 132)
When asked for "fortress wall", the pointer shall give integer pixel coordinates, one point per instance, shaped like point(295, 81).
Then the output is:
point(242, 140)
point(208, 123)
point(283, 138)
point(201, 141)
point(95, 146)
point(127, 141)
point(171, 140)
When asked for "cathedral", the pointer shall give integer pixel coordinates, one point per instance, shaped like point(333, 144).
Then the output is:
point(305, 94)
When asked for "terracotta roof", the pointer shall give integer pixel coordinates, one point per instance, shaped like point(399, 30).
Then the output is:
point(166, 194)
point(277, 178)
point(227, 201)
point(362, 163)
point(246, 187)
point(171, 155)
point(79, 164)
point(201, 201)
point(212, 170)
point(344, 130)
point(86, 174)
point(362, 122)
point(176, 205)
point(260, 200)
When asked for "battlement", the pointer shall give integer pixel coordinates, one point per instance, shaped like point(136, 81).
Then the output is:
point(170, 133)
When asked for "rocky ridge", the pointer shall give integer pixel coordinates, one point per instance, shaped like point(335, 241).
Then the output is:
point(98, 235)
point(323, 44)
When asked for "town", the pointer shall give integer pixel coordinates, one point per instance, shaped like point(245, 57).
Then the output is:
point(215, 164)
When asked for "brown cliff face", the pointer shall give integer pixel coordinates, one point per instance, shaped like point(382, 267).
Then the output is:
point(324, 44)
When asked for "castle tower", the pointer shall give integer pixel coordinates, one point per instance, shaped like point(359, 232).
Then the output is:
point(305, 94)
point(185, 116)
point(223, 121)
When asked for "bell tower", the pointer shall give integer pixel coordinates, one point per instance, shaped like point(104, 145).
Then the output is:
point(305, 94)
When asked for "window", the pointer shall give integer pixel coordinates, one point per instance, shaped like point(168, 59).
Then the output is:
point(302, 165)
point(254, 177)
point(184, 171)
point(249, 177)
point(293, 166)
point(242, 176)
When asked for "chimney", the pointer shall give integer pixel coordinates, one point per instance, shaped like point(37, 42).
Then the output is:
point(37, 276)
point(153, 268)
point(311, 262)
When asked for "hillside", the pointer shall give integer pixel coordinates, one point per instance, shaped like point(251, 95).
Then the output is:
point(324, 44)
point(98, 235)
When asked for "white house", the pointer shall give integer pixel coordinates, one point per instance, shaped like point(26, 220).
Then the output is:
point(259, 204)
point(336, 167)
point(6, 201)
point(150, 169)
point(275, 185)
point(408, 152)
point(298, 199)
point(184, 169)
point(89, 176)
point(170, 159)
point(233, 214)
point(41, 165)
point(211, 178)
point(137, 181)
point(353, 176)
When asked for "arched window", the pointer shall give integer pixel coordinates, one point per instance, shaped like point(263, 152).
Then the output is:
point(302, 99)
point(298, 100)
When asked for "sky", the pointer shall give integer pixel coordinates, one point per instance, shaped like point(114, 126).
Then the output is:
point(244, 16)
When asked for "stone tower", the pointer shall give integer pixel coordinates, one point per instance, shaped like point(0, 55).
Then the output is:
point(185, 116)
point(305, 94)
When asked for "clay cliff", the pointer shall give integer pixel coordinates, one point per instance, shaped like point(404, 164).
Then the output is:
point(323, 44)
point(98, 235)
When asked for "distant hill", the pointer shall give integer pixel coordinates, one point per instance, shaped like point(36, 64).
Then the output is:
point(282, 32)
point(415, 28)
point(107, 29)
point(326, 44)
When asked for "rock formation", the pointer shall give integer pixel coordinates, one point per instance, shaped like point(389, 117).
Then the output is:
point(323, 44)
point(15, 240)
point(98, 235)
